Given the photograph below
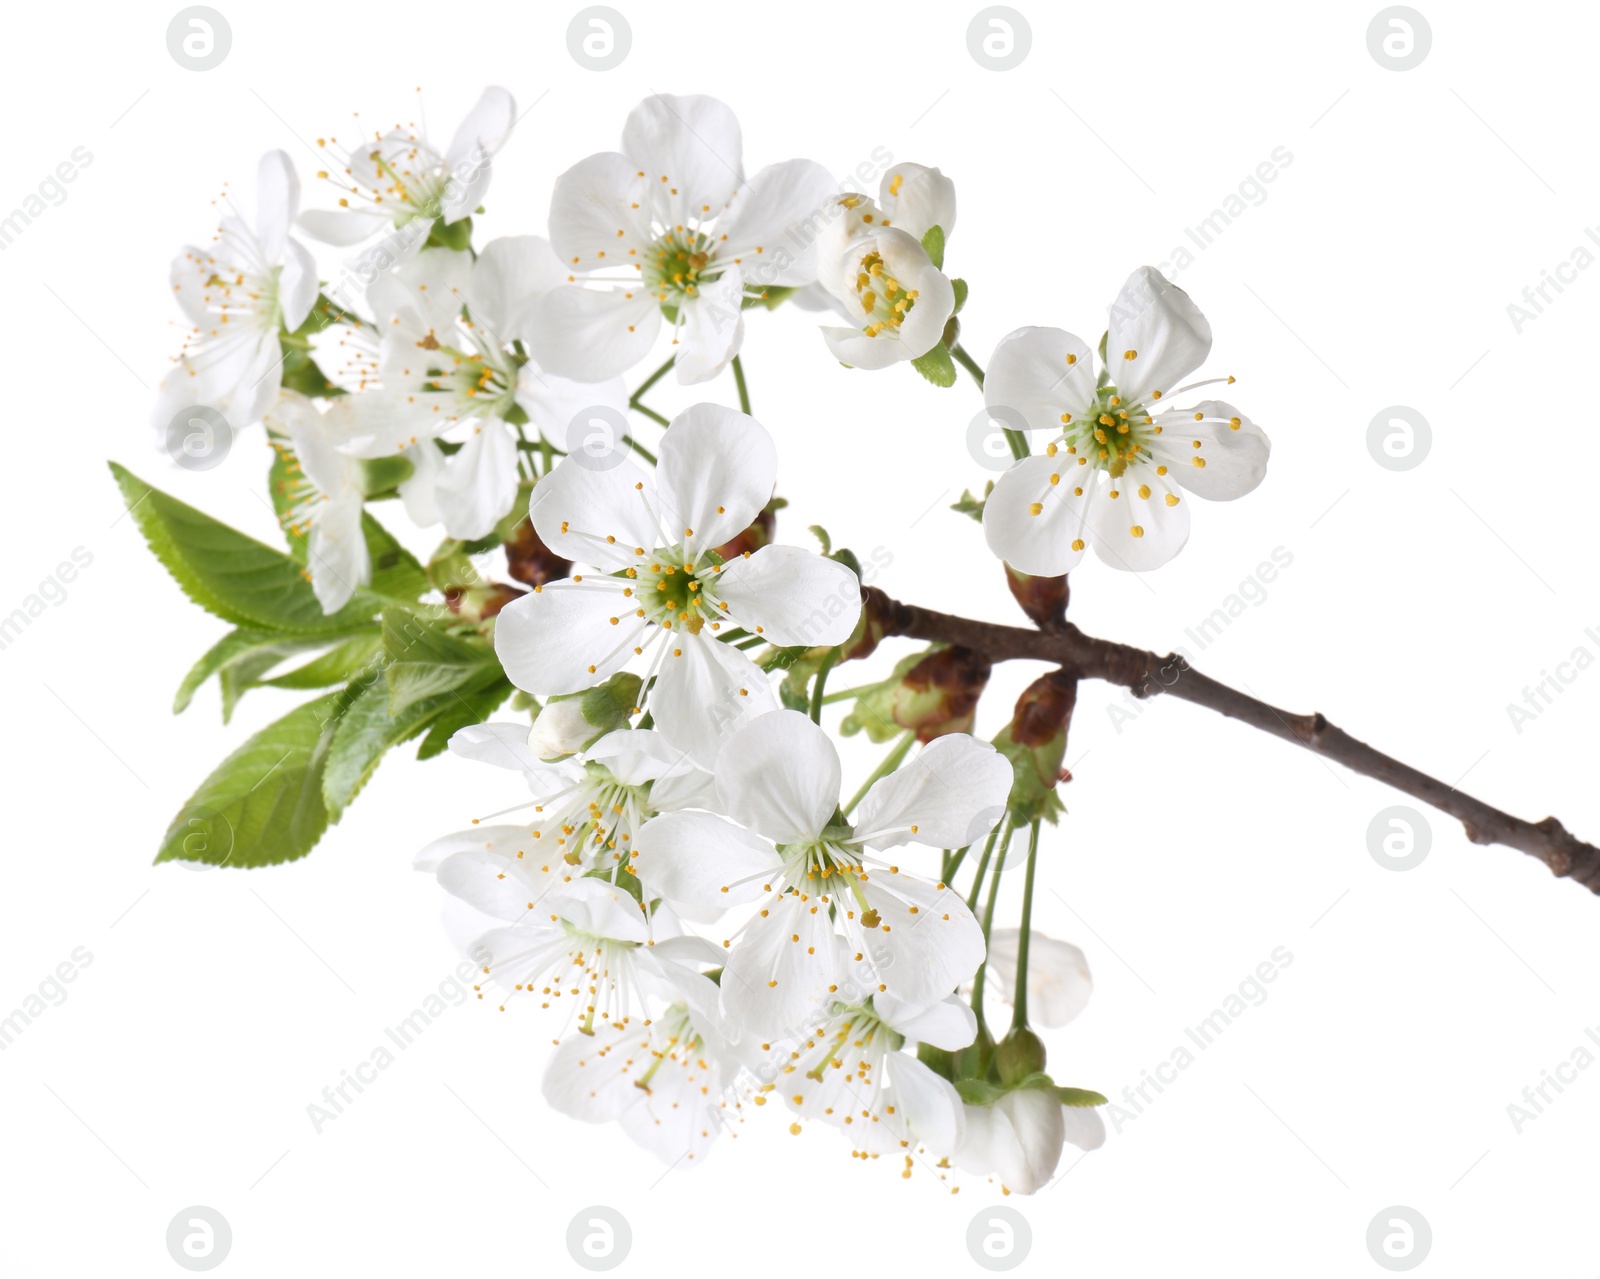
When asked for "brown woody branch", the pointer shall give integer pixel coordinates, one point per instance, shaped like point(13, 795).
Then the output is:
point(1147, 674)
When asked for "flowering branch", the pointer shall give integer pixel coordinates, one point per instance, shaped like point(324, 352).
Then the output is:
point(1147, 674)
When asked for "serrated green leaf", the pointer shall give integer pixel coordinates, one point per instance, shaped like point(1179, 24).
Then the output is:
point(933, 246)
point(425, 660)
point(338, 665)
point(240, 580)
point(366, 729)
point(1080, 1097)
point(960, 287)
point(971, 505)
point(263, 804)
point(260, 650)
point(456, 235)
point(936, 365)
point(471, 707)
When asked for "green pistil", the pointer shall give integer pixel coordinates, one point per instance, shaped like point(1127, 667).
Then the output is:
point(680, 260)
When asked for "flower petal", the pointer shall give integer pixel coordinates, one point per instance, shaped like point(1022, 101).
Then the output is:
point(560, 639)
point(598, 512)
point(781, 207)
point(704, 691)
point(1036, 526)
point(1059, 984)
point(780, 969)
point(486, 127)
point(1234, 457)
point(926, 942)
point(1132, 523)
point(277, 202)
point(502, 743)
point(1157, 321)
point(598, 212)
point(689, 147)
point(949, 1024)
point(713, 328)
point(591, 335)
point(792, 596)
point(916, 198)
point(1040, 373)
point(949, 796)
point(780, 775)
point(478, 486)
point(509, 277)
point(697, 860)
point(717, 470)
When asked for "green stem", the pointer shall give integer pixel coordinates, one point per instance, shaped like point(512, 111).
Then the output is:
point(738, 380)
point(890, 762)
point(640, 449)
point(983, 865)
point(988, 916)
point(1016, 439)
point(1019, 1001)
point(860, 690)
point(828, 660)
point(651, 414)
point(633, 400)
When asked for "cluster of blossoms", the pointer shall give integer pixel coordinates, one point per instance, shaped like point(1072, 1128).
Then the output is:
point(715, 923)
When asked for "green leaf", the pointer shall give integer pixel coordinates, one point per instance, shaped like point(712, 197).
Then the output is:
point(771, 297)
point(338, 665)
point(425, 660)
point(1079, 1097)
point(263, 804)
point(979, 1092)
point(933, 245)
point(385, 474)
point(971, 505)
point(458, 235)
point(250, 652)
point(240, 580)
point(365, 730)
point(473, 706)
point(936, 365)
point(960, 287)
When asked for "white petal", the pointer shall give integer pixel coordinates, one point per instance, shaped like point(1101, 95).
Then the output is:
point(486, 127)
point(1158, 322)
point(1083, 1127)
point(510, 275)
point(497, 882)
point(277, 202)
point(717, 470)
point(1059, 984)
point(928, 1103)
point(590, 335)
point(342, 227)
point(704, 691)
point(560, 408)
point(792, 596)
point(502, 841)
point(1051, 540)
point(297, 284)
point(499, 742)
point(949, 796)
point(593, 201)
point(780, 208)
point(599, 909)
point(713, 328)
point(560, 639)
point(1138, 530)
point(697, 860)
point(772, 983)
point(578, 506)
point(591, 1077)
point(915, 199)
point(780, 775)
point(949, 1024)
point(478, 486)
point(1031, 374)
point(689, 147)
point(678, 1117)
point(1235, 457)
point(926, 943)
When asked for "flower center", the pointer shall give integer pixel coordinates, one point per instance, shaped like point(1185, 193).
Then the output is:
point(672, 593)
point(678, 263)
point(884, 303)
point(1111, 436)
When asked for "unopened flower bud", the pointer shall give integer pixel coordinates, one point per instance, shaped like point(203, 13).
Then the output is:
point(478, 602)
point(530, 561)
point(568, 723)
point(1036, 742)
point(1043, 599)
point(937, 693)
point(1018, 1055)
point(876, 616)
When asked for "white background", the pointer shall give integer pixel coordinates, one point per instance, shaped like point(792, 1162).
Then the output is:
point(1418, 604)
